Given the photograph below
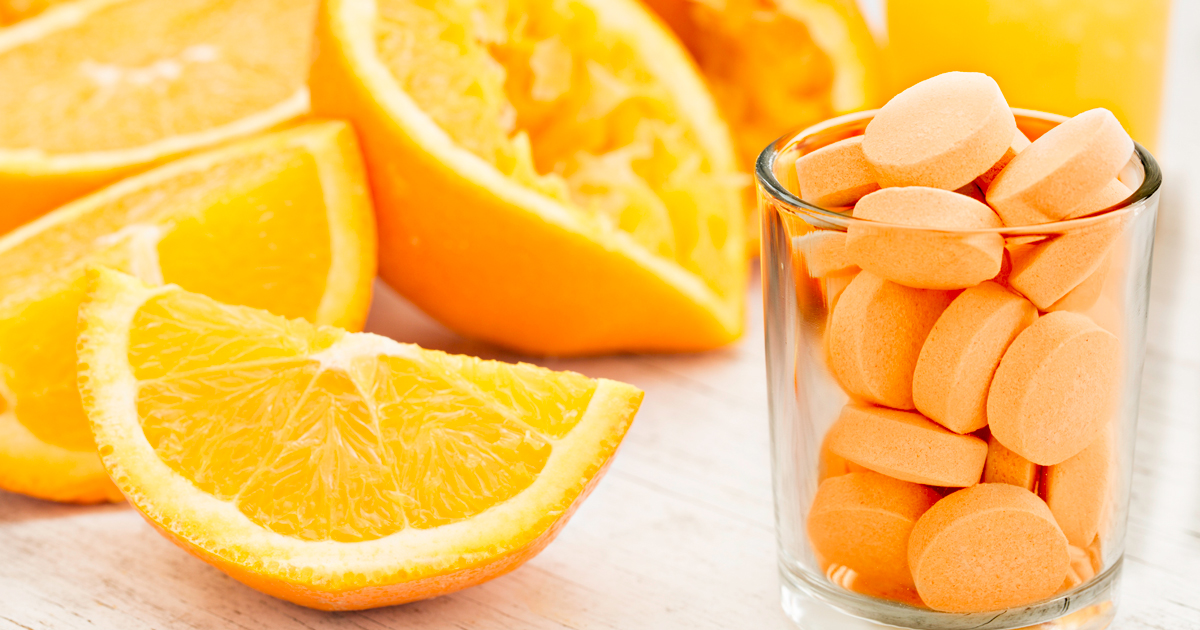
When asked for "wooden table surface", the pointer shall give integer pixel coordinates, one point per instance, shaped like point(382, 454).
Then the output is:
point(680, 533)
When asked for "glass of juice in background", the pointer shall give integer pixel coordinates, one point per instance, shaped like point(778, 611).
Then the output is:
point(1060, 56)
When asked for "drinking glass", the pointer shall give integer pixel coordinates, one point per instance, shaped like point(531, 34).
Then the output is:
point(806, 398)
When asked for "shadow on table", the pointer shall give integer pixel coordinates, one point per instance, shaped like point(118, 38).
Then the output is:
point(15, 508)
point(393, 316)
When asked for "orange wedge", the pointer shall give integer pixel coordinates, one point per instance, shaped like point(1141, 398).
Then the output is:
point(778, 65)
point(12, 11)
point(334, 470)
point(97, 90)
point(281, 222)
point(549, 176)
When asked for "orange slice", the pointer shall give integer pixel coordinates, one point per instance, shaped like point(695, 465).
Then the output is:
point(550, 176)
point(281, 222)
point(334, 470)
point(13, 11)
point(97, 90)
point(778, 65)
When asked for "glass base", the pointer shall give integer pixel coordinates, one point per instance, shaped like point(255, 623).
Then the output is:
point(815, 604)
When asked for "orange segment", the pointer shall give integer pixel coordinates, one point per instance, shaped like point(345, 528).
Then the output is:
point(96, 90)
point(333, 469)
point(282, 222)
point(585, 189)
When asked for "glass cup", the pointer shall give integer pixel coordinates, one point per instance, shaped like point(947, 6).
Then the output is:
point(828, 366)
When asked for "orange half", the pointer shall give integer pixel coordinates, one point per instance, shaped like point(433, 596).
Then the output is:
point(778, 65)
point(552, 177)
point(97, 90)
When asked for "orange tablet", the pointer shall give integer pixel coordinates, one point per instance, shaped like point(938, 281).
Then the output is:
point(907, 446)
point(988, 547)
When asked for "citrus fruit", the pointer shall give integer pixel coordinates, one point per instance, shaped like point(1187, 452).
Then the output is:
point(552, 177)
point(778, 65)
point(13, 11)
point(281, 222)
point(97, 90)
point(16, 10)
point(332, 469)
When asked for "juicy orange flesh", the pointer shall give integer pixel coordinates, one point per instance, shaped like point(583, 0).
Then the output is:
point(347, 449)
point(543, 93)
point(189, 229)
point(762, 65)
point(143, 70)
point(37, 356)
point(285, 265)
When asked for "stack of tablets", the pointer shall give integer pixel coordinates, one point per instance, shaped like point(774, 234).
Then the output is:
point(971, 468)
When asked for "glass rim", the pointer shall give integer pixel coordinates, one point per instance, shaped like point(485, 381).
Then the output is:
point(764, 174)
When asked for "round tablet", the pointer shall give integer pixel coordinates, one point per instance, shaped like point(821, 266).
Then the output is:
point(875, 335)
point(960, 355)
point(925, 258)
point(1113, 193)
point(907, 446)
point(830, 464)
point(833, 285)
point(1131, 174)
point(1046, 271)
point(863, 520)
point(942, 132)
point(989, 547)
point(1077, 490)
point(1094, 558)
point(836, 174)
point(824, 253)
point(1055, 388)
point(1084, 565)
point(1085, 295)
point(1069, 163)
point(1005, 466)
point(1019, 142)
